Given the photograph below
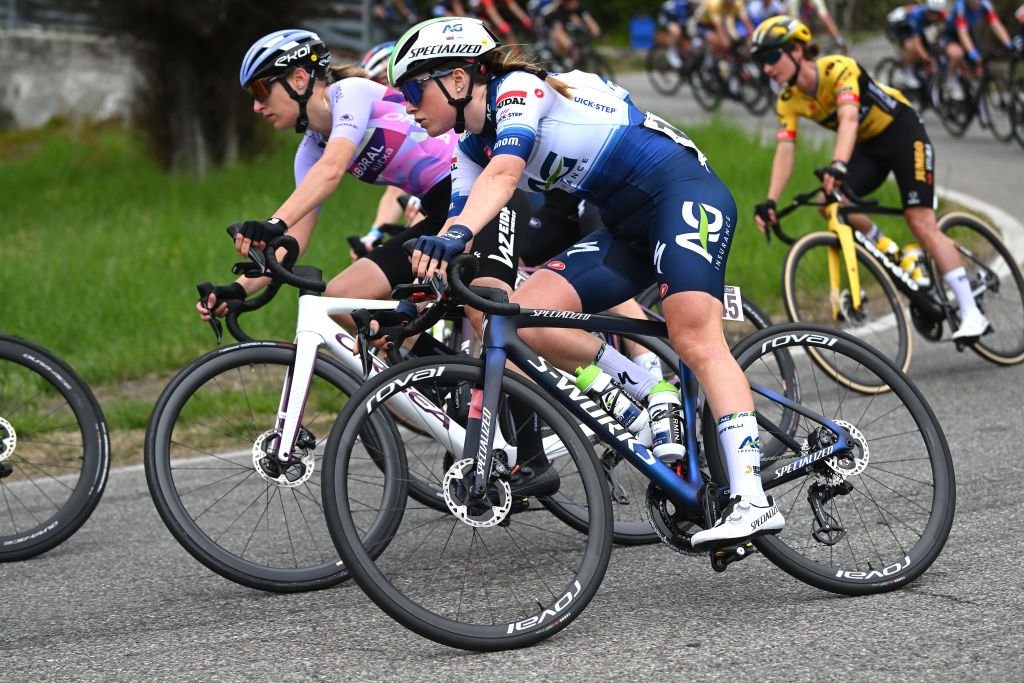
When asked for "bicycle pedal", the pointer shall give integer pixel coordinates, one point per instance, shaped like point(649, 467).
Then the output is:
point(723, 556)
point(5, 470)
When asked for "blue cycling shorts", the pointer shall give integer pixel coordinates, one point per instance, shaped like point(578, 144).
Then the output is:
point(677, 235)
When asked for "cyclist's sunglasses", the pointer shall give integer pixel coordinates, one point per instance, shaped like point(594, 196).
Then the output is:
point(769, 57)
point(260, 88)
point(412, 90)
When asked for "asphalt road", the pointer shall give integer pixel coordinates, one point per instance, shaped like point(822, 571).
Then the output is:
point(122, 601)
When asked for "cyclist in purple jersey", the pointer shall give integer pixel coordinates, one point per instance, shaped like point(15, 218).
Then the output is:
point(350, 125)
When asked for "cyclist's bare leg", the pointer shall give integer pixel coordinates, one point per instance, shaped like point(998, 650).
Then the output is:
point(566, 349)
point(362, 280)
point(942, 249)
point(695, 329)
point(631, 309)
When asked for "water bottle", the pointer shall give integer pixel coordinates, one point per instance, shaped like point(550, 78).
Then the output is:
point(888, 246)
point(666, 427)
point(610, 395)
point(912, 256)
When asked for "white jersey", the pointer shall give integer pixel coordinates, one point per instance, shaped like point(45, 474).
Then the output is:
point(578, 145)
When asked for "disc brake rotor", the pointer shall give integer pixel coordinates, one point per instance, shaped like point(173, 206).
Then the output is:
point(480, 514)
point(8, 439)
point(852, 462)
point(290, 474)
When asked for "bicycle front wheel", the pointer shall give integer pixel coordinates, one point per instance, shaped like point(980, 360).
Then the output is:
point(212, 484)
point(998, 103)
point(866, 519)
point(54, 450)
point(880, 320)
point(497, 574)
point(997, 283)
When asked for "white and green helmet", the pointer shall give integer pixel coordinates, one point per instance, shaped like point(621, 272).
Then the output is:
point(437, 41)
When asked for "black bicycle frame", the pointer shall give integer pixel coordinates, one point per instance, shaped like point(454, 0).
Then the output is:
point(502, 343)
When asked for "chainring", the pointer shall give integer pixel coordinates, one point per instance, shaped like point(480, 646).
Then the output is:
point(672, 528)
point(929, 328)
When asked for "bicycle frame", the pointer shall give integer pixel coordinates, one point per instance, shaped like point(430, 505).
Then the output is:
point(315, 328)
point(502, 343)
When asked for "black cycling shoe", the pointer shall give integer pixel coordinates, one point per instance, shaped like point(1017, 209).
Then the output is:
point(530, 480)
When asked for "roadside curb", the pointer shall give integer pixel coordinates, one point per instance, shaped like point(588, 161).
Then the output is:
point(1012, 230)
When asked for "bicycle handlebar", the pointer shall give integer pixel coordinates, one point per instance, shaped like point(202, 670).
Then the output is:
point(854, 204)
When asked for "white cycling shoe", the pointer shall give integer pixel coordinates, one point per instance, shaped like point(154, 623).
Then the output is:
point(973, 325)
point(740, 521)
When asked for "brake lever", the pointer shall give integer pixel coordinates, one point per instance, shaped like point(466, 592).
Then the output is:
point(362, 318)
point(205, 289)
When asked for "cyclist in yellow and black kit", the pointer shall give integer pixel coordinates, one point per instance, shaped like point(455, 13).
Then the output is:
point(877, 131)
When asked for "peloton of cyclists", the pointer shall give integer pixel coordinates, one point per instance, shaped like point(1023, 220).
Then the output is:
point(907, 27)
point(876, 132)
point(959, 40)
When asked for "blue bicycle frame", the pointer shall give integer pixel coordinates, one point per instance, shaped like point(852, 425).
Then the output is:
point(502, 343)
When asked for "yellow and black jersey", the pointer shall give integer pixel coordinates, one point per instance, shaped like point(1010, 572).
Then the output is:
point(840, 80)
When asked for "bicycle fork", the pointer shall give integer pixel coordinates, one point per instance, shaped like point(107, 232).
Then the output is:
point(848, 251)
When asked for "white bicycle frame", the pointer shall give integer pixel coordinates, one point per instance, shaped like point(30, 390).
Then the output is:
point(316, 328)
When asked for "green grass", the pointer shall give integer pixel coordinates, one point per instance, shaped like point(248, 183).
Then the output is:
point(102, 250)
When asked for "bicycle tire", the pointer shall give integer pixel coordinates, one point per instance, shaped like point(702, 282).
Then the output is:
point(998, 105)
point(706, 85)
point(955, 115)
point(755, 93)
point(539, 610)
point(1017, 106)
point(663, 77)
point(41, 395)
point(804, 277)
point(897, 514)
point(1004, 308)
point(187, 453)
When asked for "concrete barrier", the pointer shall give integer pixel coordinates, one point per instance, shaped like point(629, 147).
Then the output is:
point(45, 74)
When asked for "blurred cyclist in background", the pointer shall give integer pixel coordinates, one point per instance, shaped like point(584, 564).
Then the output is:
point(905, 26)
point(960, 42)
point(674, 15)
point(809, 10)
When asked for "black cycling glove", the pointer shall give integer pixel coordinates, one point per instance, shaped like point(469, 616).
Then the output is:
point(263, 231)
point(764, 209)
point(837, 169)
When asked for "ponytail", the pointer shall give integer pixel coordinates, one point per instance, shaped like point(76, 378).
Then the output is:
point(509, 58)
point(340, 72)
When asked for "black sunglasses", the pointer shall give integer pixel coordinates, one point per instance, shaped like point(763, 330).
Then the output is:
point(769, 57)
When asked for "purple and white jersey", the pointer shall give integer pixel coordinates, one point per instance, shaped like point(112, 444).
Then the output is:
point(391, 148)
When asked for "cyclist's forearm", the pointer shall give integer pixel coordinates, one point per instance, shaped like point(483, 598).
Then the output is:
point(965, 39)
point(833, 30)
point(491, 191)
point(1001, 32)
point(782, 168)
point(846, 134)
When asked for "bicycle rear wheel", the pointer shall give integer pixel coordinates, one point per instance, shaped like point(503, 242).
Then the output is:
point(955, 114)
point(880, 320)
point(498, 576)
point(664, 78)
point(54, 450)
point(997, 282)
point(209, 480)
point(865, 520)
